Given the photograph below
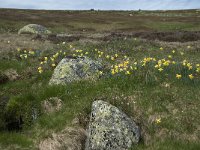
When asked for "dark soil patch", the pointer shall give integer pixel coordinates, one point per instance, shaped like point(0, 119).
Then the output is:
point(179, 36)
point(56, 39)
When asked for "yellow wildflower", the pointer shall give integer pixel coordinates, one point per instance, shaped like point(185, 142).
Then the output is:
point(113, 71)
point(25, 56)
point(170, 56)
point(128, 72)
point(158, 120)
point(178, 76)
point(100, 72)
point(160, 69)
point(107, 56)
point(53, 65)
point(191, 76)
point(18, 49)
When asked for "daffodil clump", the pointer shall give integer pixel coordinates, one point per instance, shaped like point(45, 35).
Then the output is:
point(24, 54)
point(117, 64)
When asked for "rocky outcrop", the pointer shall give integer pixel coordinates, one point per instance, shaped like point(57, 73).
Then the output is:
point(34, 29)
point(110, 129)
point(74, 69)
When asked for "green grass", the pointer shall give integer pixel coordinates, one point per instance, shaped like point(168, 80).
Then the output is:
point(99, 21)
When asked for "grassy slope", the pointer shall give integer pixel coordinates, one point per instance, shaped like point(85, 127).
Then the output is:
point(102, 21)
point(142, 98)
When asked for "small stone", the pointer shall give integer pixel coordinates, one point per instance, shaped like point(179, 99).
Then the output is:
point(51, 105)
point(11, 74)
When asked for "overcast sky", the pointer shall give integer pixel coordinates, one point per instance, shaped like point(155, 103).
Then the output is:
point(101, 4)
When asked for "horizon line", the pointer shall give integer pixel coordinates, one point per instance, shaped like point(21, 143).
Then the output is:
point(99, 9)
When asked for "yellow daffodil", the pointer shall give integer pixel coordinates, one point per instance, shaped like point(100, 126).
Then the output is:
point(100, 72)
point(31, 52)
point(112, 58)
point(160, 69)
point(45, 58)
point(107, 56)
point(161, 48)
point(113, 71)
point(191, 76)
point(178, 76)
point(116, 55)
point(25, 56)
point(128, 72)
point(40, 71)
point(158, 120)
point(53, 65)
point(86, 53)
point(173, 51)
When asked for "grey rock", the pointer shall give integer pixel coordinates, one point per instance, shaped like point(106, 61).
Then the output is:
point(34, 29)
point(75, 69)
point(110, 129)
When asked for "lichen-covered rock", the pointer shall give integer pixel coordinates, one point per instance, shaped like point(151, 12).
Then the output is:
point(68, 139)
point(74, 69)
point(110, 129)
point(34, 29)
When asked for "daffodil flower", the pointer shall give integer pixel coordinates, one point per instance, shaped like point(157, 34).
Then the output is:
point(178, 76)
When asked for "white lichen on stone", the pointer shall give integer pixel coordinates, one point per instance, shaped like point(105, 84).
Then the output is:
point(75, 69)
point(110, 129)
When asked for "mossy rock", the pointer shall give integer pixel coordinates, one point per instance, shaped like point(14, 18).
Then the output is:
point(34, 29)
point(75, 69)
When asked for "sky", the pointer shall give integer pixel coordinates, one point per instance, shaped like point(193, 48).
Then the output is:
point(101, 4)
